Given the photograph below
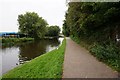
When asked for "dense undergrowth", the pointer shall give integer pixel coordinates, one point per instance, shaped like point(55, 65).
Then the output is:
point(108, 53)
point(15, 41)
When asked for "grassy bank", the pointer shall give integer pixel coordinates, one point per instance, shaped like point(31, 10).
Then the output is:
point(107, 53)
point(48, 65)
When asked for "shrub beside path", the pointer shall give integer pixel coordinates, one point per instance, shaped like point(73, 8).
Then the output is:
point(79, 63)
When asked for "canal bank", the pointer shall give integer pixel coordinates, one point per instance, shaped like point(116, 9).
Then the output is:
point(14, 41)
point(48, 65)
point(15, 55)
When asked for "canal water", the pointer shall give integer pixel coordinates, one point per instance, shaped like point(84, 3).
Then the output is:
point(16, 55)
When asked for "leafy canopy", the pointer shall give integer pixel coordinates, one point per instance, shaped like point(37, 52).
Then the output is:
point(53, 31)
point(32, 25)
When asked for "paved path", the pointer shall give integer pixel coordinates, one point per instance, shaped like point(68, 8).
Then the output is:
point(78, 63)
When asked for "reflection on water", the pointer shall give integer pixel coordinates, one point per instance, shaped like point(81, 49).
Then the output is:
point(15, 55)
point(9, 58)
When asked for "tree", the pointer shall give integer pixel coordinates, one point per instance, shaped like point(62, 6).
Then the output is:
point(53, 31)
point(65, 31)
point(32, 25)
point(93, 20)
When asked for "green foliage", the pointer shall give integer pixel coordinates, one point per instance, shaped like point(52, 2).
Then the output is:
point(89, 18)
point(32, 25)
point(48, 65)
point(65, 29)
point(76, 39)
point(16, 40)
point(53, 31)
point(94, 22)
point(108, 53)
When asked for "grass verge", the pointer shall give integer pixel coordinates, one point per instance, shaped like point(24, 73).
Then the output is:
point(48, 65)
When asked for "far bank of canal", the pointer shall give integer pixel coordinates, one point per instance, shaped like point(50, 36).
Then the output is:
point(16, 55)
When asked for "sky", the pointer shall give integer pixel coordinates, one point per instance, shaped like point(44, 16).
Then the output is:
point(53, 11)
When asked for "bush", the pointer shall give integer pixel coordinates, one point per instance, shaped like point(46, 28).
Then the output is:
point(109, 54)
point(76, 39)
point(8, 40)
point(53, 31)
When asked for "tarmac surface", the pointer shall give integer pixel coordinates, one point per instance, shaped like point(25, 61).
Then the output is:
point(79, 63)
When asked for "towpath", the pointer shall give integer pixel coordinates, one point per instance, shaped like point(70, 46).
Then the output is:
point(79, 63)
